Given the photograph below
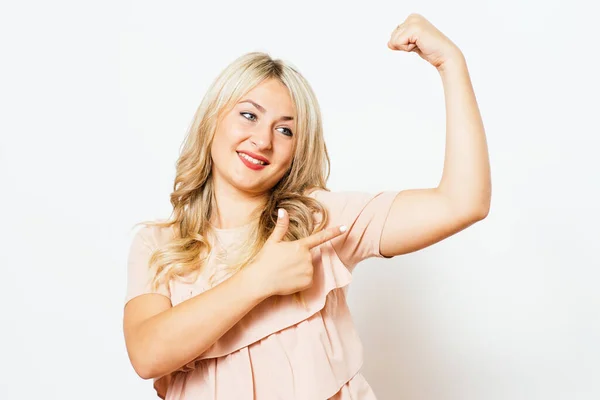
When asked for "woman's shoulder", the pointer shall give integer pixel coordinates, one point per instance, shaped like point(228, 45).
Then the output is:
point(155, 235)
point(330, 199)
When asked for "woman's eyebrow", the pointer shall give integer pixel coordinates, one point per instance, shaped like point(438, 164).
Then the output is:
point(262, 109)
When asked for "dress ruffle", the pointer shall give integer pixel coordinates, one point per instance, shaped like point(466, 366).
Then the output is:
point(249, 349)
point(280, 312)
point(311, 359)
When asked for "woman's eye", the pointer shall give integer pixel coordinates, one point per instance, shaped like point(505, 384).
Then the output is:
point(254, 116)
point(289, 132)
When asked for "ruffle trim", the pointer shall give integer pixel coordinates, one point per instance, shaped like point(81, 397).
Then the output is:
point(273, 315)
point(280, 312)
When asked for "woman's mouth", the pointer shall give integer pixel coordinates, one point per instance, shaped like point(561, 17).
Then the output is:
point(250, 162)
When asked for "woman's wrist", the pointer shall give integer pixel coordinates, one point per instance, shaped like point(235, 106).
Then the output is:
point(256, 286)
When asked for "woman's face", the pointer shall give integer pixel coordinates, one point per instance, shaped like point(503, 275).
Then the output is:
point(263, 131)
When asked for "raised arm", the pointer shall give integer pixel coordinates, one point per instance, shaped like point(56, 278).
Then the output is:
point(421, 217)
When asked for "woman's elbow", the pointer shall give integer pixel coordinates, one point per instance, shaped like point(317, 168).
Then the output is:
point(143, 361)
point(142, 367)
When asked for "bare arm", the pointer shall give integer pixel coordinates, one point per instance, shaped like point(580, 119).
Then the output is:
point(421, 217)
point(161, 338)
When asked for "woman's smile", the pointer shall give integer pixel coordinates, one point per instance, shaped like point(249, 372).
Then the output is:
point(251, 163)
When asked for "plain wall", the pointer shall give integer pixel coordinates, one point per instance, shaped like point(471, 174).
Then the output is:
point(96, 99)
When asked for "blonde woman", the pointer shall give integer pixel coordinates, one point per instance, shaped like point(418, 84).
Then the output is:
point(241, 294)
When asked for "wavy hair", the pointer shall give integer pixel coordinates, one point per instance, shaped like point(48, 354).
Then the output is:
point(193, 198)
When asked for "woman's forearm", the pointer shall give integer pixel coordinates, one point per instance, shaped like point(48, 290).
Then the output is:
point(466, 177)
point(174, 337)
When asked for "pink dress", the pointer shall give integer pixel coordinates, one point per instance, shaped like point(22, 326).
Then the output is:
point(281, 350)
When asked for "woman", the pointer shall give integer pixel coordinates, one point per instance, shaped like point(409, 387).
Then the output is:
point(230, 299)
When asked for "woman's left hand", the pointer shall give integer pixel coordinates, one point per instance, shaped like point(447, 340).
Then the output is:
point(417, 34)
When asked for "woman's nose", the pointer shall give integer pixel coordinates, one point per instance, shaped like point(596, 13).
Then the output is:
point(261, 140)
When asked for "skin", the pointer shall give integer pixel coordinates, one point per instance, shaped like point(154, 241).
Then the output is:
point(238, 189)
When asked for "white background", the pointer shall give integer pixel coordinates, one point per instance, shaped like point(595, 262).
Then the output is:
point(96, 98)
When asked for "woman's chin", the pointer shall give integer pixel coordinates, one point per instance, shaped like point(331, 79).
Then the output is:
point(250, 185)
point(250, 181)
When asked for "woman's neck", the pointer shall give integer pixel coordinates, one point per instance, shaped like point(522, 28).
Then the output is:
point(233, 209)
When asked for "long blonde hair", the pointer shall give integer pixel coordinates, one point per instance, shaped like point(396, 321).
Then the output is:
point(192, 197)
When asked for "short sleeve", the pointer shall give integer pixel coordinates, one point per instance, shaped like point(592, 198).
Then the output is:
point(139, 276)
point(364, 214)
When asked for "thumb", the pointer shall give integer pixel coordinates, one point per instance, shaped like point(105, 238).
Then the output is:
point(281, 227)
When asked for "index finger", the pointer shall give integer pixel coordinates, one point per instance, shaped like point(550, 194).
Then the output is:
point(323, 236)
